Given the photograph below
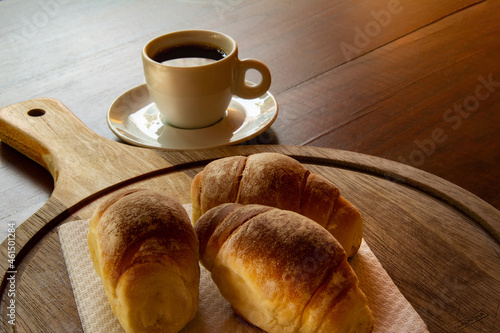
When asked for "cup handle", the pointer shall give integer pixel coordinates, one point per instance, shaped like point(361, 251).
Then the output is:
point(242, 89)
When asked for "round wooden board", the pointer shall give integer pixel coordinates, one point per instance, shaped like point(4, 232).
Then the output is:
point(438, 242)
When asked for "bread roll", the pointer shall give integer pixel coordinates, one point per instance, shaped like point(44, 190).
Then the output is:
point(279, 181)
point(144, 248)
point(281, 271)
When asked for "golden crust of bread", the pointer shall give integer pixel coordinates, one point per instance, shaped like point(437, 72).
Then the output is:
point(281, 271)
point(144, 248)
point(347, 225)
point(279, 181)
point(273, 180)
point(224, 178)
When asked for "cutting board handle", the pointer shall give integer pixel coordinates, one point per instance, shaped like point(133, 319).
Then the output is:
point(80, 161)
point(46, 131)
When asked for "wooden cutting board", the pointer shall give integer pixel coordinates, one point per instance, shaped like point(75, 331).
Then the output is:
point(438, 242)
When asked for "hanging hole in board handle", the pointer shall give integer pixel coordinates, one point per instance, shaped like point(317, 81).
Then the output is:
point(36, 112)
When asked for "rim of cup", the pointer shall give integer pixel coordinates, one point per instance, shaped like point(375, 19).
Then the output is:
point(189, 37)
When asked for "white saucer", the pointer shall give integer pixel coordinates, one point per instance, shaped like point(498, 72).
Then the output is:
point(136, 120)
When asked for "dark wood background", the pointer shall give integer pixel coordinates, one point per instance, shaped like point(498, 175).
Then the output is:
point(417, 82)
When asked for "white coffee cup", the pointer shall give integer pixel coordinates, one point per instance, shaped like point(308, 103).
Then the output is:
point(190, 86)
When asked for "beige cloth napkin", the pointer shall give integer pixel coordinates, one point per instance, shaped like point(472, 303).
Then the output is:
point(391, 310)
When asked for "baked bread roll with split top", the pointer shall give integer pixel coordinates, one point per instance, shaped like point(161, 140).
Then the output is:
point(279, 181)
point(145, 251)
point(281, 271)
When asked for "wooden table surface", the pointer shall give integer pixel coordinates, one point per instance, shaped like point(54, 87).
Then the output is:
point(417, 82)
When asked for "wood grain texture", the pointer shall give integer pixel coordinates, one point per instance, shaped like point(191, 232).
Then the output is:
point(386, 97)
point(422, 113)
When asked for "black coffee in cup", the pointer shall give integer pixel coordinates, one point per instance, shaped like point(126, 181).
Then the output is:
point(190, 55)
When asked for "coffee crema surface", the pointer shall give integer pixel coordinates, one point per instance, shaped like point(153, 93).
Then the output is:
point(190, 55)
